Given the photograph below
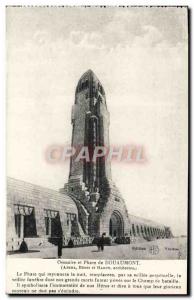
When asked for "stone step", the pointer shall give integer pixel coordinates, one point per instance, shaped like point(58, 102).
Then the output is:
point(39, 242)
point(81, 230)
point(78, 241)
point(13, 244)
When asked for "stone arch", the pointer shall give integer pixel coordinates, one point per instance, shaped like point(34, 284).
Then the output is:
point(142, 231)
point(137, 229)
point(148, 231)
point(145, 230)
point(133, 230)
point(116, 224)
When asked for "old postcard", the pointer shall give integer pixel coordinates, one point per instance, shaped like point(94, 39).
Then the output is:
point(97, 150)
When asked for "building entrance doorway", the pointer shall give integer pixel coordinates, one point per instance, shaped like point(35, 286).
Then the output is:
point(116, 228)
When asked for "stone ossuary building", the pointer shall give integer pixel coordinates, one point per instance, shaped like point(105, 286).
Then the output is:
point(90, 203)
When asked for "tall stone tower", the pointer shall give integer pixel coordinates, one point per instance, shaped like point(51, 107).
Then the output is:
point(100, 205)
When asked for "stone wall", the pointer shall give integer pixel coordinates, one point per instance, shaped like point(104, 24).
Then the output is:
point(23, 195)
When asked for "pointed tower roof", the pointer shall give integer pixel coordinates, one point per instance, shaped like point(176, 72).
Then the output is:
point(89, 73)
point(91, 77)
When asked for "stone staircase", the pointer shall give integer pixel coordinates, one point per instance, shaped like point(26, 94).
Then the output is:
point(33, 243)
point(78, 241)
point(13, 244)
point(38, 243)
point(81, 230)
point(138, 239)
point(81, 209)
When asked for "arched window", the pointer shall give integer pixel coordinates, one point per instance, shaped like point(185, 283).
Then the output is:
point(148, 231)
point(145, 230)
point(137, 228)
point(133, 229)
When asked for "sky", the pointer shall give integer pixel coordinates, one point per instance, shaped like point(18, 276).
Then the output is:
point(140, 57)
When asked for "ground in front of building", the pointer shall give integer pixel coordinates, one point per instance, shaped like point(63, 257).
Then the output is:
point(175, 248)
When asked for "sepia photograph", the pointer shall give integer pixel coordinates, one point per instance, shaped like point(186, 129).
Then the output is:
point(97, 134)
